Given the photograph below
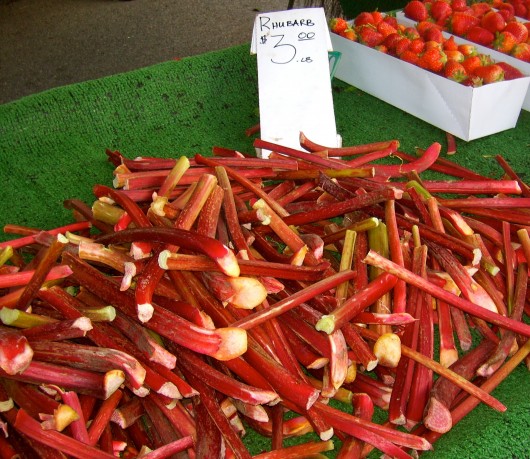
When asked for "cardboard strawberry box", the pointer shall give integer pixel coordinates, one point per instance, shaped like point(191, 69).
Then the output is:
point(466, 112)
point(496, 55)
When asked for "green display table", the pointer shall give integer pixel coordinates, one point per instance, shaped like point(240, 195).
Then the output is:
point(52, 147)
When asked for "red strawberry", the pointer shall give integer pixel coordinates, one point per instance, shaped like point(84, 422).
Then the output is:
point(459, 5)
point(493, 21)
point(460, 23)
point(417, 45)
point(377, 17)
point(450, 44)
point(504, 42)
point(381, 48)
point(338, 25)
point(480, 35)
point(521, 51)
point(350, 34)
point(433, 34)
point(433, 59)
point(369, 36)
point(455, 71)
point(363, 18)
point(423, 26)
point(480, 8)
point(454, 55)
point(467, 49)
point(392, 20)
point(510, 72)
point(411, 32)
point(440, 11)
point(391, 40)
point(489, 73)
point(385, 28)
point(402, 45)
point(471, 63)
point(507, 10)
point(518, 29)
point(410, 56)
point(521, 10)
point(416, 10)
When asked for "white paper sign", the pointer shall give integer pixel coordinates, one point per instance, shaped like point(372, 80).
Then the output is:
point(293, 75)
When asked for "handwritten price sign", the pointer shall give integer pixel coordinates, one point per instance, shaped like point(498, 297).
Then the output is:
point(293, 74)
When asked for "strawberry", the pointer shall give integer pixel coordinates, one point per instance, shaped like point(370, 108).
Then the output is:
point(338, 25)
point(489, 73)
point(521, 10)
point(471, 63)
point(454, 55)
point(467, 49)
point(433, 44)
point(521, 51)
point(450, 44)
point(382, 48)
point(390, 42)
point(350, 34)
point(411, 32)
point(510, 72)
point(423, 26)
point(504, 42)
point(433, 59)
point(402, 45)
point(369, 36)
point(385, 28)
point(416, 10)
point(493, 21)
point(480, 35)
point(519, 31)
point(440, 11)
point(433, 34)
point(459, 5)
point(455, 71)
point(507, 10)
point(410, 56)
point(460, 23)
point(364, 18)
point(417, 45)
point(377, 17)
point(392, 20)
point(480, 8)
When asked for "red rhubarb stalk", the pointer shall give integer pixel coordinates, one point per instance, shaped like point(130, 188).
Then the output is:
point(438, 292)
point(344, 151)
point(356, 303)
point(68, 445)
point(221, 254)
point(15, 351)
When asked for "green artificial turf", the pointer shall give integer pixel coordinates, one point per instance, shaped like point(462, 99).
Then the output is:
point(52, 147)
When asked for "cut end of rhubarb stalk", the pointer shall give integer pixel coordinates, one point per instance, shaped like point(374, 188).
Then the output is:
point(326, 324)
point(387, 349)
point(145, 312)
point(112, 382)
point(437, 417)
point(232, 343)
point(228, 263)
point(249, 292)
point(162, 259)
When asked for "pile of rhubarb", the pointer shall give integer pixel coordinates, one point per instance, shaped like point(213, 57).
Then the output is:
point(199, 298)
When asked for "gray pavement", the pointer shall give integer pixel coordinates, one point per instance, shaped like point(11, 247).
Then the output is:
point(50, 43)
